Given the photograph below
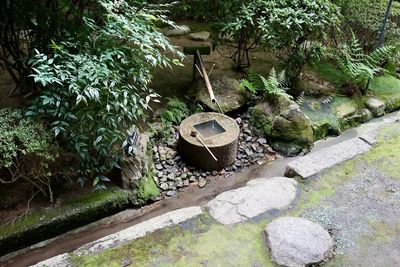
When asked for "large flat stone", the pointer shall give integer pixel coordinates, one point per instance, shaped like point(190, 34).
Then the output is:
point(200, 36)
point(298, 242)
point(318, 161)
point(139, 230)
point(259, 196)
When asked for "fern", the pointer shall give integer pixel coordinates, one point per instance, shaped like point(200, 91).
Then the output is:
point(274, 85)
point(359, 67)
point(300, 99)
point(174, 112)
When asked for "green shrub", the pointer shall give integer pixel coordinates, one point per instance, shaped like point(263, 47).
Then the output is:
point(294, 27)
point(96, 85)
point(26, 151)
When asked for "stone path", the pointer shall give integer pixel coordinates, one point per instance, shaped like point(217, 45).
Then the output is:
point(259, 196)
point(316, 162)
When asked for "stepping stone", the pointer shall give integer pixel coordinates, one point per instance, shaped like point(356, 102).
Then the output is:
point(200, 36)
point(377, 106)
point(258, 197)
point(316, 162)
point(298, 242)
point(178, 31)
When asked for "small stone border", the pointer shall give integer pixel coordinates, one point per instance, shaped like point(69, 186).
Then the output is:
point(172, 174)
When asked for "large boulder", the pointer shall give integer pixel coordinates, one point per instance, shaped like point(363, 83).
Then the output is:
point(227, 91)
point(285, 124)
point(297, 242)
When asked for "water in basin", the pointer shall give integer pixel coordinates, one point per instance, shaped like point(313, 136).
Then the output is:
point(209, 128)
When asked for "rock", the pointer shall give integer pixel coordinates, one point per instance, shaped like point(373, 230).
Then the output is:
point(257, 197)
point(284, 124)
point(170, 193)
point(134, 167)
point(314, 163)
point(239, 121)
point(366, 115)
point(159, 167)
point(164, 186)
point(202, 182)
point(126, 262)
point(345, 110)
point(298, 242)
point(227, 91)
point(200, 36)
point(376, 106)
point(176, 31)
point(171, 177)
point(262, 141)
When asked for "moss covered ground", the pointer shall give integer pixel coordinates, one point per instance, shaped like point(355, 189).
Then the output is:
point(203, 242)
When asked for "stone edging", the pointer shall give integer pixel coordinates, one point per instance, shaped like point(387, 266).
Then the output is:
point(124, 236)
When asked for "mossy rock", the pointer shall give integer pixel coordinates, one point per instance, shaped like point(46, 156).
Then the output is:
point(147, 189)
point(227, 91)
point(387, 88)
point(284, 124)
point(44, 224)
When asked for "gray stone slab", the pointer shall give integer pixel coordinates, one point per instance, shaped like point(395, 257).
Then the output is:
point(318, 161)
point(259, 196)
point(298, 242)
point(62, 260)
point(139, 230)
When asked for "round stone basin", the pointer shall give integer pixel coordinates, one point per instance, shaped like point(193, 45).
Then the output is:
point(219, 132)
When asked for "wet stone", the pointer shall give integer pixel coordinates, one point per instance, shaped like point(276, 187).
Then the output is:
point(202, 182)
point(170, 193)
point(159, 167)
point(164, 186)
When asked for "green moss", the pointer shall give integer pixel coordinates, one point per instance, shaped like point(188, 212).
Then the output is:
point(44, 224)
point(387, 88)
point(260, 122)
point(386, 155)
point(195, 244)
point(147, 189)
point(329, 72)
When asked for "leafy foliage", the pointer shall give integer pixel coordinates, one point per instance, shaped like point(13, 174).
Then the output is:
point(291, 26)
point(274, 85)
point(96, 85)
point(364, 18)
point(175, 111)
point(359, 67)
point(26, 151)
point(26, 25)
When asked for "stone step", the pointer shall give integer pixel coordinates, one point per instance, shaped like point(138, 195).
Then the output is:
point(318, 161)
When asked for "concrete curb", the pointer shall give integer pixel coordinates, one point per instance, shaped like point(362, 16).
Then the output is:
point(124, 236)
